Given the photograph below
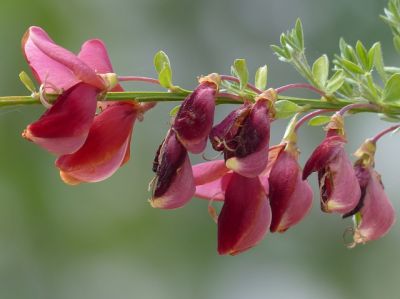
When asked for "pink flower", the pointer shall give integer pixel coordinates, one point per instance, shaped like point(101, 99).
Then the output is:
point(246, 214)
point(376, 214)
point(243, 136)
point(91, 148)
point(174, 184)
point(290, 197)
point(339, 188)
point(195, 117)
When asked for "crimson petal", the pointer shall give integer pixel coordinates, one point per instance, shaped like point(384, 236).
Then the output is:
point(245, 216)
point(105, 148)
point(64, 127)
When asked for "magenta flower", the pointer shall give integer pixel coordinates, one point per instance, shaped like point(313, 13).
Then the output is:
point(290, 197)
point(91, 148)
point(376, 215)
point(246, 214)
point(243, 136)
point(195, 117)
point(339, 188)
point(174, 184)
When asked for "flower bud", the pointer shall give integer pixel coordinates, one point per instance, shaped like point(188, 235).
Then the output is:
point(194, 119)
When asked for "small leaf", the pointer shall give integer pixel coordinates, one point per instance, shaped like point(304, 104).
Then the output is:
point(351, 67)
point(391, 92)
point(396, 43)
point(389, 118)
point(378, 61)
point(160, 60)
point(342, 45)
point(174, 111)
point(335, 82)
point(27, 81)
point(299, 34)
point(320, 70)
point(285, 108)
point(165, 76)
point(362, 55)
point(241, 71)
point(261, 77)
point(281, 53)
point(319, 120)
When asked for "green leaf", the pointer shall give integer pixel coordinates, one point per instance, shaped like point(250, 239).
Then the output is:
point(351, 67)
point(160, 60)
point(281, 53)
point(342, 45)
point(163, 68)
point(378, 60)
point(335, 82)
point(261, 77)
point(389, 117)
point(285, 108)
point(320, 70)
point(174, 111)
point(319, 120)
point(362, 55)
point(391, 93)
point(241, 71)
point(299, 34)
point(396, 43)
point(27, 81)
point(165, 76)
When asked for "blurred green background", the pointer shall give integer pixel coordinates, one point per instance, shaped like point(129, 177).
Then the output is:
point(104, 240)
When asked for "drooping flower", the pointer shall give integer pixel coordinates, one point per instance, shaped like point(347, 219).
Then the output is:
point(339, 188)
point(290, 197)
point(91, 148)
point(246, 214)
point(243, 136)
point(374, 215)
point(174, 184)
point(195, 117)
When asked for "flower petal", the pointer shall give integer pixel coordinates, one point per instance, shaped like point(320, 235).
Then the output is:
point(54, 64)
point(94, 53)
point(340, 190)
point(195, 117)
point(289, 195)
point(214, 190)
point(323, 154)
point(377, 214)
point(105, 148)
point(209, 171)
point(174, 183)
point(250, 155)
point(245, 216)
point(64, 127)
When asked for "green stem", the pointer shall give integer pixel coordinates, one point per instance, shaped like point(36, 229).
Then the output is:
point(150, 96)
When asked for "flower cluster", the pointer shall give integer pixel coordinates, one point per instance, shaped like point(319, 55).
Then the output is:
point(262, 188)
point(89, 146)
